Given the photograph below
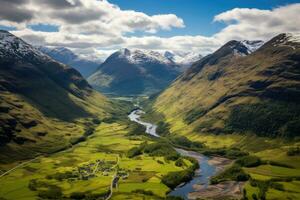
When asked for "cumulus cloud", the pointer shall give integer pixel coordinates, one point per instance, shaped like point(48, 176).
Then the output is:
point(258, 24)
point(97, 28)
point(73, 14)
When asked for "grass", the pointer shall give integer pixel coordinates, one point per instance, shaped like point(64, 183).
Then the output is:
point(273, 171)
point(132, 196)
point(49, 134)
point(157, 188)
point(274, 151)
point(107, 143)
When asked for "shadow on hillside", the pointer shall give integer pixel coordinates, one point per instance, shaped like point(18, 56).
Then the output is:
point(49, 96)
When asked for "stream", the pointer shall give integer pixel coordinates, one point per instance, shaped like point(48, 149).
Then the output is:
point(202, 176)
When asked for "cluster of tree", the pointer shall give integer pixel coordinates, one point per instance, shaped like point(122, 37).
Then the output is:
point(295, 151)
point(136, 129)
point(51, 192)
point(163, 128)
point(232, 153)
point(194, 114)
point(266, 119)
point(236, 172)
point(145, 192)
point(263, 187)
point(184, 142)
point(60, 176)
point(88, 195)
point(249, 161)
point(154, 149)
point(173, 179)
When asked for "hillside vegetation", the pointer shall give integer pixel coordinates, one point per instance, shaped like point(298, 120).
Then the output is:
point(232, 100)
point(45, 106)
point(227, 92)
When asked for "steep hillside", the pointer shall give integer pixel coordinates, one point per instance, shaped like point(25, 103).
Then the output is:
point(135, 72)
point(66, 56)
point(44, 105)
point(236, 91)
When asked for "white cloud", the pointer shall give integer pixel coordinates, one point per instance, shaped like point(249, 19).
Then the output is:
point(84, 16)
point(97, 27)
point(258, 24)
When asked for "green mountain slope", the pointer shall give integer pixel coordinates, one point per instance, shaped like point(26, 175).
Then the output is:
point(44, 105)
point(233, 101)
point(229, 92)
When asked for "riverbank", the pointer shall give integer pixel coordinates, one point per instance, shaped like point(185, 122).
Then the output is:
point(228, 189)
point(209, 166)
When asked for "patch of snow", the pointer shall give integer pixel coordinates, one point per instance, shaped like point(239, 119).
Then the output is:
point(252, 46)
point(143, 56)
point(12, 46)
point(183, 58)
point(289, 40)
point(180, 59)
point(293, 37)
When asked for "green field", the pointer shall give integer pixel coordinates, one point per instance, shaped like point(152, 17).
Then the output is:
point(110, 144)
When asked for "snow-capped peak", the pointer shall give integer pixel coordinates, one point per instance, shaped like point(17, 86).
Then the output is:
point(60, 52)
point(291, 40)
point(183, 58)
point(12, 46)
point(138, 56)
point(243, 48)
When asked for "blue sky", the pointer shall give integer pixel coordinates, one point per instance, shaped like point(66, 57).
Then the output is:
point(95, 29)
point(197, 14)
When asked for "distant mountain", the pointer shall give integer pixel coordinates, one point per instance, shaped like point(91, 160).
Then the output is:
point(44, 105)
point(134, 72)
point(183, 59)
point(66, 56)
point(240, 88)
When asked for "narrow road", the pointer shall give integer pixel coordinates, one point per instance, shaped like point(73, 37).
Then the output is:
point(111, 187)
point(96, 168)
point(18, 166)
point(113, 180)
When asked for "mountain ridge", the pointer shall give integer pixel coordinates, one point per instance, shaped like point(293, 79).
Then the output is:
point(68, 57)
point(45, 105)
point(135, 72)
point(224, 88)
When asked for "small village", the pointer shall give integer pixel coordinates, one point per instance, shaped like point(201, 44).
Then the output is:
point(99, 167)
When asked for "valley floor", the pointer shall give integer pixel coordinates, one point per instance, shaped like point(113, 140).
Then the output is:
point(284, 169)
point(88, 169)
point(277, 176)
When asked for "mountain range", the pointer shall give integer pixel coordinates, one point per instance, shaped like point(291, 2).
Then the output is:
point(45, 105)
point(239, 106)
point(66, 56)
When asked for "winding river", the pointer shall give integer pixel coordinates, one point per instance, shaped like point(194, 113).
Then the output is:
point(202, 175)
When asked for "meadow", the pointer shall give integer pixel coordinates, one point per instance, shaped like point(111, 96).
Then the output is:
point(56, 174)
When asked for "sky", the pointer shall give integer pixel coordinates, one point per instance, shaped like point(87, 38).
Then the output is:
point(96, 28)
